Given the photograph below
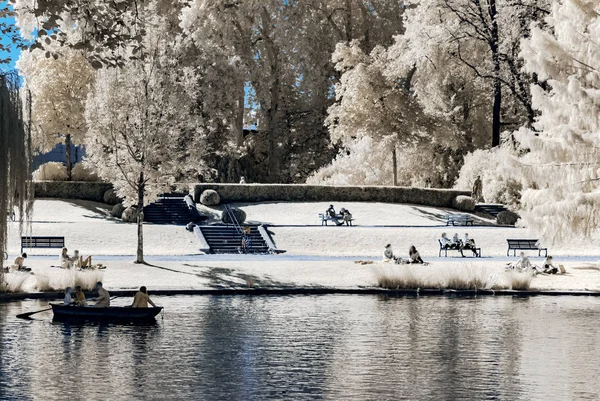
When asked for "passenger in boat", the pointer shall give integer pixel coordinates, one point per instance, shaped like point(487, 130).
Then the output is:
point(103, 300)
point(141, 299)
point(66, 262)
point(68, 296)
point(79, 296)
point(414, 256)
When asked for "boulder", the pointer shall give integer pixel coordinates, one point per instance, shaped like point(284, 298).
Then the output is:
point(117, 210)
point(210, 198)
point(507, 218)
point(464, 203)
point(111, 198)
point(129, 214)
point(239, 214)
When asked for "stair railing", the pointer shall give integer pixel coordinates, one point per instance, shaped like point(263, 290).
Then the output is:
point(234, 220)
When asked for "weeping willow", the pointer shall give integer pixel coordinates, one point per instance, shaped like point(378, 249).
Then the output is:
point(15, 156)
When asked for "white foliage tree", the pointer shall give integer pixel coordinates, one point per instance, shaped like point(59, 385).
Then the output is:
point(137, 116)
point(59, 86)
point(563, 164)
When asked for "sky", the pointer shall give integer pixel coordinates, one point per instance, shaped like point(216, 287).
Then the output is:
point(14, 53)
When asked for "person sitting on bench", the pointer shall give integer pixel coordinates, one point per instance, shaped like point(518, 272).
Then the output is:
point(414, 256)
point(332, 215)
point(346, 216)
point(445, 241)
point(469, 243)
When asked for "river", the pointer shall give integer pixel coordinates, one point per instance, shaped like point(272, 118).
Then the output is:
point(329, 347)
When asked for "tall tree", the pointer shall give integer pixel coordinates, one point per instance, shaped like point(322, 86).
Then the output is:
point(136, 117)
point(465, 49)
point(561, 167)
point(15, 155)
point(59, 85)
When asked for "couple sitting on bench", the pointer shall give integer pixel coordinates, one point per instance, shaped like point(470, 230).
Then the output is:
point(458, 244)
point(339, 219)
point(413, 256)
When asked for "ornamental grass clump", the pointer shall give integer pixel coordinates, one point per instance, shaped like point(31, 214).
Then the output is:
point(13, 282)
point(60, 279)
point(520, 281)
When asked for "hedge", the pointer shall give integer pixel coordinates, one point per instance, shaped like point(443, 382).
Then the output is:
point(93, 191)
point(323, 193)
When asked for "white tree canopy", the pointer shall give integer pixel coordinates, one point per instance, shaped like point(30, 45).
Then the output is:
point(563, 164)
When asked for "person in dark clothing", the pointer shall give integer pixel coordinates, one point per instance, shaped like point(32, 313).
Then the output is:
point(413, 255)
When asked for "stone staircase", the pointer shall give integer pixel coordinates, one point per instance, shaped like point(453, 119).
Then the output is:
point(490, 209)
point(227, 239)
point(168, 210)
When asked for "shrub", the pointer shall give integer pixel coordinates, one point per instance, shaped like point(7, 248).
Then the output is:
point(60, 279)
point(81, 173)
point(239, 214)
point(325, 193)
point(210, 198)
point(415, 277)
point(110, 197)
point(507, 218)
point(498, 185)
point(93, 191)
point(117, 210)
point(129, 215)
point(51, 171)
point(464, 203)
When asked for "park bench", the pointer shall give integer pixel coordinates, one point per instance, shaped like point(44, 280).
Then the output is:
point(524, 244)
point(459, 219)
point(42, 242)
point(325, 218)
point(445, 250)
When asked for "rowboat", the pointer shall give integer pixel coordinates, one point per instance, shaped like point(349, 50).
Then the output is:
point(111, 313)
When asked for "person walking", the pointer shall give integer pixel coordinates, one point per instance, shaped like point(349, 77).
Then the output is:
point(477, 193)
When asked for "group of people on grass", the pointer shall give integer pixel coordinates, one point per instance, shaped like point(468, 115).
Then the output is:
point(524, 265)
point(341, 218)
point(459, 244)
point(77, 261)
point(413, 256)
point(77, 297)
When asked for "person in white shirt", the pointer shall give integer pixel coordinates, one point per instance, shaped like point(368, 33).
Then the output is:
point(68, 296)
point(469, 243)
point(66, 262)
point(388, 254)
point(445, 241)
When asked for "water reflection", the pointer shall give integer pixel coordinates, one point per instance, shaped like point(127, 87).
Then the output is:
point(317, 347)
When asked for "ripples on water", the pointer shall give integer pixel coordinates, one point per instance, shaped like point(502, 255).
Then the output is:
point(312, 347)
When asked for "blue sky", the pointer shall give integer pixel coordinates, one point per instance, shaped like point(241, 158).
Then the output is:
point(14, 53)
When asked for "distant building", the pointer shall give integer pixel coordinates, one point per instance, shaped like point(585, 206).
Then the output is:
point(58, 154)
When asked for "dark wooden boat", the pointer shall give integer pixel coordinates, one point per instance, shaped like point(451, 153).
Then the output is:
point(110, 314)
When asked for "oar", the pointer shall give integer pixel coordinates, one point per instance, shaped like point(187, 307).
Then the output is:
point(26, 315)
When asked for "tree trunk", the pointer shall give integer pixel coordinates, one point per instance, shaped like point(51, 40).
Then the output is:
point(68, 156)
point(140, 220)
point(239, 118)
point(496, 108)
point(395, 165)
